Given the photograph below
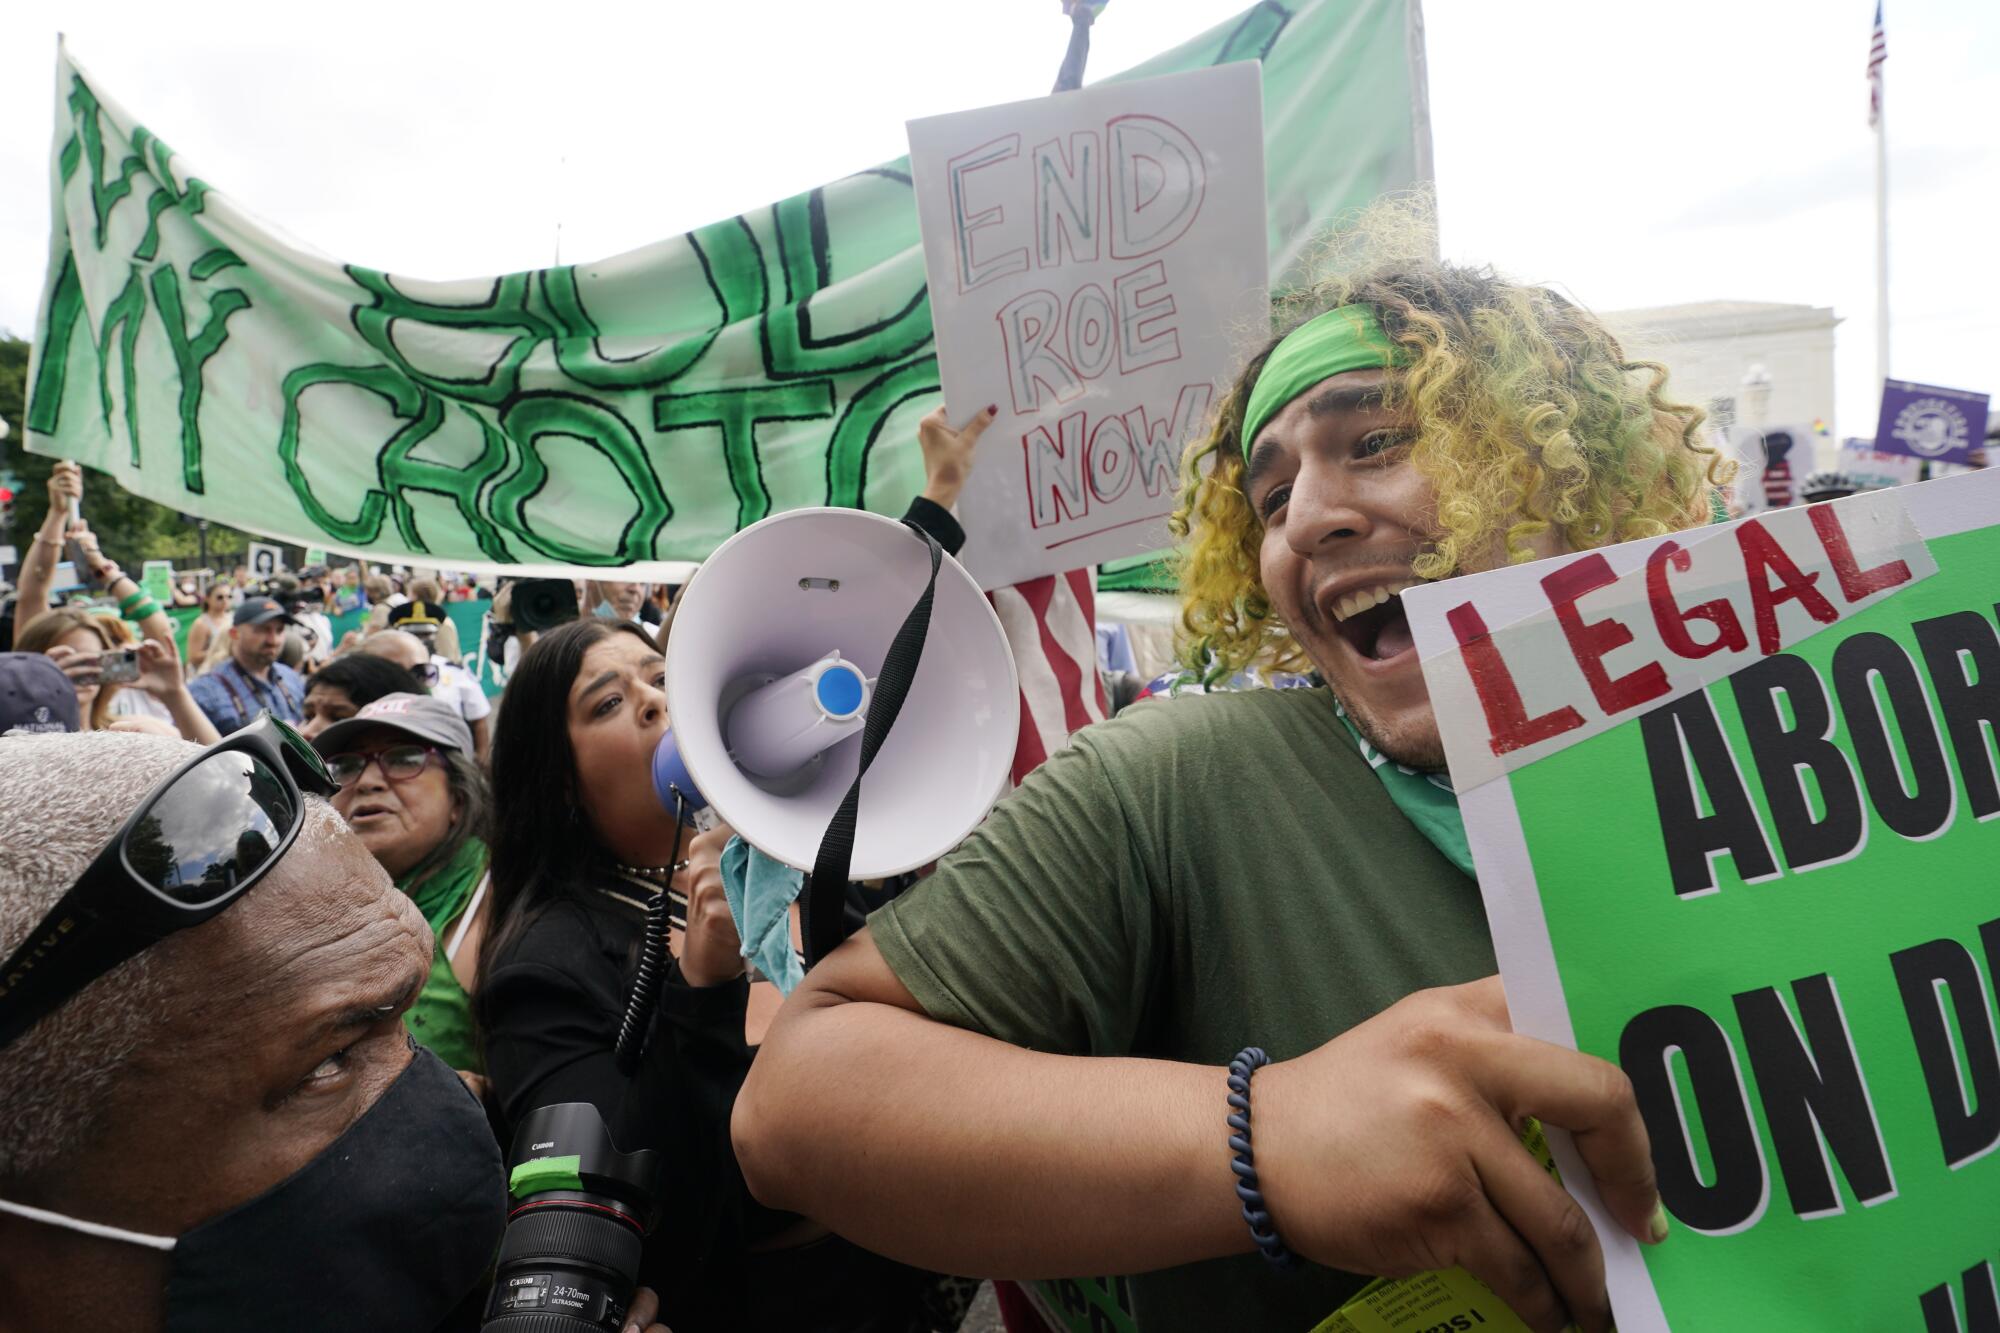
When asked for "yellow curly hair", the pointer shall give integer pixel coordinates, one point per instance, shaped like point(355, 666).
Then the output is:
point(1528, 414)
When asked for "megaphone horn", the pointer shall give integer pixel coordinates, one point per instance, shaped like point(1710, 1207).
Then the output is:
point(781, 657)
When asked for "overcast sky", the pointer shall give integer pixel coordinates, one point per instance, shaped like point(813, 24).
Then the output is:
point(1636, 155)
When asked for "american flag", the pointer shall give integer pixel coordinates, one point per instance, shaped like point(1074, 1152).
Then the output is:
point(1878, 51)
point(1051, 626)
point(1778, 490)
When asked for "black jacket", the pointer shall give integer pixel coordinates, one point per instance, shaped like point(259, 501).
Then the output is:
point(551, 1009)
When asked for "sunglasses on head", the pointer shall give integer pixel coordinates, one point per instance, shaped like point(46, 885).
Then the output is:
point(399, 763)
point(196, 844)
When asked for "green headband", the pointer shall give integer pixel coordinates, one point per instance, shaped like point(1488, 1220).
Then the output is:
point(1347, 337)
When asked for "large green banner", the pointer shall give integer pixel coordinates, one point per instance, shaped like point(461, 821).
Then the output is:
point(1735, 801)
point(638, 409)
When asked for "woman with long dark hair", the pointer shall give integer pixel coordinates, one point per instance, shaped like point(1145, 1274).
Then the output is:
point(581, 847)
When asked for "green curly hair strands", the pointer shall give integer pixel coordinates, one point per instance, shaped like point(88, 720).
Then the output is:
point(1529, 417)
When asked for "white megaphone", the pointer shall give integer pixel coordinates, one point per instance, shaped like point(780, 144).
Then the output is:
point(777, 649)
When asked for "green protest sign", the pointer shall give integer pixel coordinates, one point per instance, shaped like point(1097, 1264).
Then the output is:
point(157, 577)
point(1084, 1305)
point(1735, 801)
point(468, 617)
point(183, 617)
point(632, 410)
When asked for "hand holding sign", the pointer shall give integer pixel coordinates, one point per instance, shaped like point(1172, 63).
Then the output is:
point(65, 484)
point(1395, 1149)
point(948, 453)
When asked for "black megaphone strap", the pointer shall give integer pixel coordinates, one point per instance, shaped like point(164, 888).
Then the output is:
point(826, 890)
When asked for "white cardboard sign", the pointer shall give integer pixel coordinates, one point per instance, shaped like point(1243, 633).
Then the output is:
point(1094, 259)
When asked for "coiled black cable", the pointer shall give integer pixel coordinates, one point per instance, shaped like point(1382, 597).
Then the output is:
point(638, 1020)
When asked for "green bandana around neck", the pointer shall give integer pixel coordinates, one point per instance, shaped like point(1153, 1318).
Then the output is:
point(444, 890)
point(1427, 799)
point(1347, 337)
point(441, 1019)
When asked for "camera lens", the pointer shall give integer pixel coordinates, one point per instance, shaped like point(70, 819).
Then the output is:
point(568, 1258)
point(581, 1210)
point(543, 604)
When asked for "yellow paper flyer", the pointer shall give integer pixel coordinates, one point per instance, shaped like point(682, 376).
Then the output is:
point(1452, 1301)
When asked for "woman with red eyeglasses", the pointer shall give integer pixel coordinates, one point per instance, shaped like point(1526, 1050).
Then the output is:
point(411, 791)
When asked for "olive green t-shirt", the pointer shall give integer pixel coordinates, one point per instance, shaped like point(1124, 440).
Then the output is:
point(1195, 876)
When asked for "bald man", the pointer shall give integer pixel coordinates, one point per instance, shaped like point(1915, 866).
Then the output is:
point(230, 1129)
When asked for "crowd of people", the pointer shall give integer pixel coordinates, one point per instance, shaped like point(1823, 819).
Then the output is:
point(238, 1108)
point(254, 645)
point(514, 839)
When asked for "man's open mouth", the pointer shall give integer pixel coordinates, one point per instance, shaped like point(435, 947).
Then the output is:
point(1373, 622)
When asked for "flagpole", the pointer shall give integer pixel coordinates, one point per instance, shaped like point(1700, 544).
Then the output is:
point(1881, 232)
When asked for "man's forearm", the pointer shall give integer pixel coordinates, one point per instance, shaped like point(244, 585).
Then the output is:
point(962, 1154)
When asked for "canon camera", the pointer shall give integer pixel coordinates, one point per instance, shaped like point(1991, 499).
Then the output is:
point(579, 1213)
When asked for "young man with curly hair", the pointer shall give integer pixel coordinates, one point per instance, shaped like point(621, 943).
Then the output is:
point(1042, 1028)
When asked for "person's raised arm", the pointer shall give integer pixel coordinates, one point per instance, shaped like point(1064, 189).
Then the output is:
point(38, 570)
point(160, 675)
point(948, 453)
point(948, 460)
point(133, 601)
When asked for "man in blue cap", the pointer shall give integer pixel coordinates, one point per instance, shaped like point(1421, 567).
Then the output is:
point(252, 680)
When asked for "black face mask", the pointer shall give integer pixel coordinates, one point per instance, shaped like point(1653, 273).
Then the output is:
point(389, 1228)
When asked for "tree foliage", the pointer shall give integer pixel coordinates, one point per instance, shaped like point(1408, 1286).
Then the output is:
point(131, 529)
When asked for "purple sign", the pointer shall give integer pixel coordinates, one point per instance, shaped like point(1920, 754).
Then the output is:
point(1925, 421)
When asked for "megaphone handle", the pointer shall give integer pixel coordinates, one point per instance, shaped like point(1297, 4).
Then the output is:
point(826, 890)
